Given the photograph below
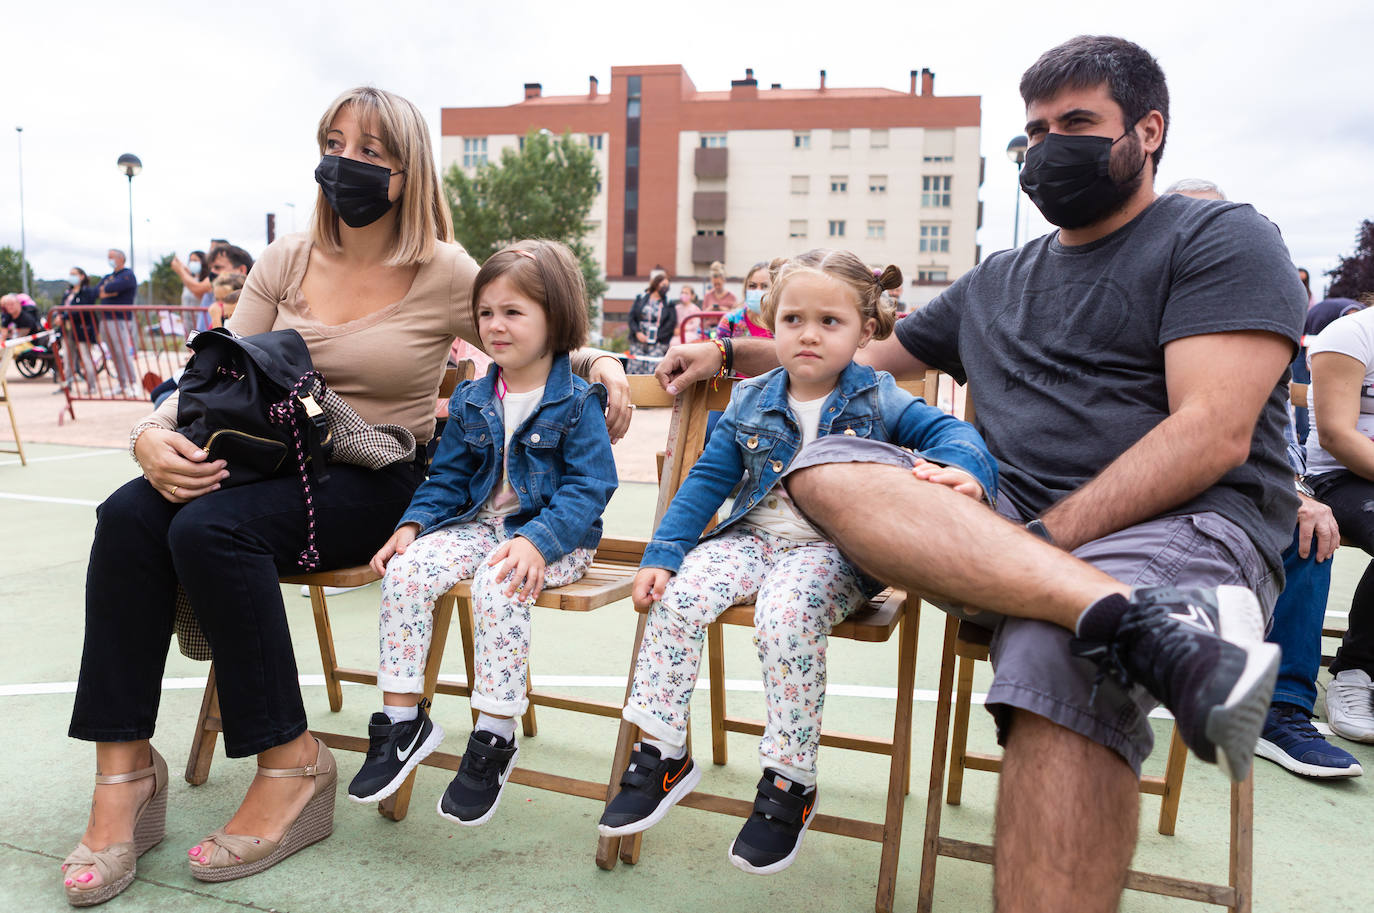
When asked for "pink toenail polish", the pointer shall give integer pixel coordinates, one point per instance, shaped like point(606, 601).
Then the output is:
point(85, 878)
point(69, 882)
point(193, 851)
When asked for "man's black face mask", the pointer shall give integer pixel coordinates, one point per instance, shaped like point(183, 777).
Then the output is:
point(1069, 179)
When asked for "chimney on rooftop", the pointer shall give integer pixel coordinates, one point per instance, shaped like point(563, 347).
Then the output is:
point(533, 90)
point(592, 89)
point(748, 72)
point(822, 80)
point(927, 81)
point(776, 85)
point(914, 74)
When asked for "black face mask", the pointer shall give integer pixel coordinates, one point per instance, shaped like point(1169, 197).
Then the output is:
point(356, 190)
point(1069, 179)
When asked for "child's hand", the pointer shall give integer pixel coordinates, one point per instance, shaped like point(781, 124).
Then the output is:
point(960, 481)
point(396, 545)
point(649, 585)
point(526, 565)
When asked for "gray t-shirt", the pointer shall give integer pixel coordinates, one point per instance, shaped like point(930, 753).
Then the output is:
point(1064, 350)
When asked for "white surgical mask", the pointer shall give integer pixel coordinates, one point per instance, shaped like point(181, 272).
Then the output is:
point(753, 299)
point(74, 280)
point(193, 267)
point(112, 264)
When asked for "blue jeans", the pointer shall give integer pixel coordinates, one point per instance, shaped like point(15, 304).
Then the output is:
point(1297, 625)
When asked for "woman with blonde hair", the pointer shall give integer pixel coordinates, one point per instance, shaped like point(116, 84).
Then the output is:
point(379, 291)
point(717, 298)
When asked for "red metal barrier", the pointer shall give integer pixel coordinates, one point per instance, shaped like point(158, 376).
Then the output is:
point(703, 316)
point(121, 353)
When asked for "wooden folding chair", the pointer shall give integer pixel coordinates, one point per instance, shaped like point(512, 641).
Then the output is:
point(209, 724)
point(890, 612)
point(6, 359)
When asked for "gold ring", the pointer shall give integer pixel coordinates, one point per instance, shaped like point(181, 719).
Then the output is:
point(173, 490)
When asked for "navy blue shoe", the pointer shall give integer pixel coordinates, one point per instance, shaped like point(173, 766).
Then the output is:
point(1290, 740)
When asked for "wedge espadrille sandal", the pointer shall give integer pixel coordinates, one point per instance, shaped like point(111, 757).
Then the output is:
point(118, 862)
point(235, 856)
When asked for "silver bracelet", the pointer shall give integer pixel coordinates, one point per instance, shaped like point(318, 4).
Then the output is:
point(133, 438)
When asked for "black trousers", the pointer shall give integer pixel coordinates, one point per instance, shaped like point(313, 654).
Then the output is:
point(227, 548)
point(1351, 499)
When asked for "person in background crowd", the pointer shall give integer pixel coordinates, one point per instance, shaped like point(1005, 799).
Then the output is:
point(717, 297)
point(1289, 739)
point(1340, 460)
point(652, 321)
point(226, 287)
point(1319, 316)
point(1306, 283)
point(688, 306)
point(84, 328)
point(118, 329)
point(19, 316)
point(743, 321)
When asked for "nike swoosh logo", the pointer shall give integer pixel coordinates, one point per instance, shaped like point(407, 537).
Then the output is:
point(402, 755)
point(669, 781)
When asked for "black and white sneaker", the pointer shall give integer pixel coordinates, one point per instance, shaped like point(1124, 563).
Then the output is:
point(474, 793)
point(772, 835)
point(649, 787)
point(1199, 651)
point(393, 751)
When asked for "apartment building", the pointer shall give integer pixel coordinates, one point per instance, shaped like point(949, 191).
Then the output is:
point(690, 177)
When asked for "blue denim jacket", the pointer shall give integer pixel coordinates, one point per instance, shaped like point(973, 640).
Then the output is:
point(560, 464)
point(758, 436)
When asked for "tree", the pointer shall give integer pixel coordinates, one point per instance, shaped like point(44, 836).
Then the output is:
point(166, 284)
point(544, 190)
point(11, 279)
point(1354, 275)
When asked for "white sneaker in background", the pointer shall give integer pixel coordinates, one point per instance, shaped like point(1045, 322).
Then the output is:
point(1350, 705)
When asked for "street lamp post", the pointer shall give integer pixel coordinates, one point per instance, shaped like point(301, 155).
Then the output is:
point(1016, 152)
point(130, 165)
point(23, 248)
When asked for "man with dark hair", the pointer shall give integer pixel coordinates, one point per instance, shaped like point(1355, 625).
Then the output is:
point(227, 258)
point(1136, 415)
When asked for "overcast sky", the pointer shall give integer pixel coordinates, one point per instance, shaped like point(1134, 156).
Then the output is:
point(1270, 99)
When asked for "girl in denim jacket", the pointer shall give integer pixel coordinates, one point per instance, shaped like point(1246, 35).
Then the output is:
point(514, 501)
point(822, 307)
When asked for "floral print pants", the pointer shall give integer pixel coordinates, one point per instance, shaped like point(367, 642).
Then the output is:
point(431, 565)
point(801, 591)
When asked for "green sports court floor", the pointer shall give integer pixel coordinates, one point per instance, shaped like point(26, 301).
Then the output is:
point(1312, 841)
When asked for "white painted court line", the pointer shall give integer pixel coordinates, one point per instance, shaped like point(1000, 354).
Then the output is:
point(45, 499)
point(66, 456)
point(196, 683)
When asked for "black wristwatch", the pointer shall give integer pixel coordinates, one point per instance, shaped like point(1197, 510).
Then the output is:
point(1037, 528)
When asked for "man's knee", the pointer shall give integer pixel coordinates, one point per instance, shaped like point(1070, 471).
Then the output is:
point(1040, 748)
point(825, 490)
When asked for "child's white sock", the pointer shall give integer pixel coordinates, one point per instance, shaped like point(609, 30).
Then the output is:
point(665, 751)
point(401, 714)
point(502, 726)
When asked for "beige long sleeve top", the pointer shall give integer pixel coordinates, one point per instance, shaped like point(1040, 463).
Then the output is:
point(387, 365)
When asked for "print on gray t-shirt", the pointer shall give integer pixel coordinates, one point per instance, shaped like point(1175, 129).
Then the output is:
point(1064, 350)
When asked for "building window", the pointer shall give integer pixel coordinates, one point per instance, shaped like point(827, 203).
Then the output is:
point(713, 140)
point(877, 183)
point(801, 139)
point(935, 190)
point(877, 230)
point(934, 237)
point(596, 140)
point(837, 228)
point(937, 159)
point(801, 183)
point(474, 151)
point(839, 139)
point(928, 276)
point(839, 183)
point(796, 228)
point(631, 199)
point(631, 156)
point(710, 232)
point(632, 108)
point(877, 139)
